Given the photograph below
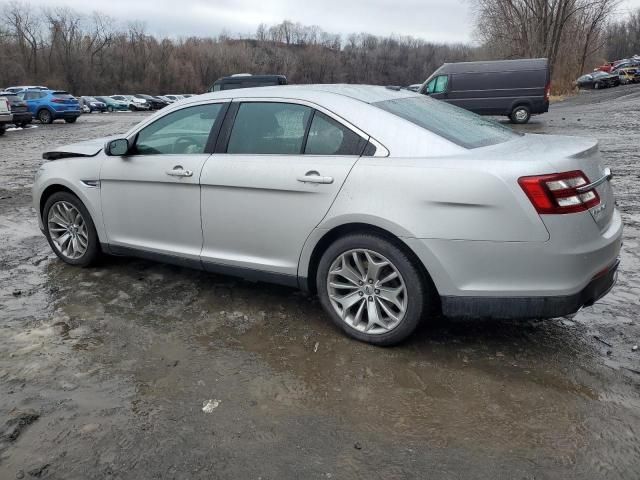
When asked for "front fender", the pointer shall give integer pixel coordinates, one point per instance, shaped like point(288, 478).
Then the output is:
point(74, 178)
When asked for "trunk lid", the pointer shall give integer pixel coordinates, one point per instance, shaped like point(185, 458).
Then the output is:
point(575, 153)
point(558, 154)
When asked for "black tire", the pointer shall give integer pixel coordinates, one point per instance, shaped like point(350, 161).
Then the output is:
point(2, 129)
point(92, 252)
point(45, 116)
point(596, 86)
point(520, 114)
point(421, 296)
point(71, 120)
point(24, 124)
point(109, 109)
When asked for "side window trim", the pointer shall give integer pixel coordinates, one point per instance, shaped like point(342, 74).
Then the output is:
point(225, 131)
point(307, 128)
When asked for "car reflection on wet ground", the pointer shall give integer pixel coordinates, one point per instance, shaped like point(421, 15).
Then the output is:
point(142, 370)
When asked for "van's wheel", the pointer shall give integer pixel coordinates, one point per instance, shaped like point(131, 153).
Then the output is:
point(70, 230)
point(372, 290)
point(520, 114)
point(45, 116)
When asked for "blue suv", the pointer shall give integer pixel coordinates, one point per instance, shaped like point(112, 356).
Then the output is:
point(50, 105)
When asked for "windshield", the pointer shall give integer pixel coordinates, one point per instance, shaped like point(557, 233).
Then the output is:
point(455, 124)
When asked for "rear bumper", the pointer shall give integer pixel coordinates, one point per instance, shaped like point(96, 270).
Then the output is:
point(22, 117)
point(67, 114)
point(531, 307)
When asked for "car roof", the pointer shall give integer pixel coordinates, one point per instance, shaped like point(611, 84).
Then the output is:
point(362, 93)
point(492, 66)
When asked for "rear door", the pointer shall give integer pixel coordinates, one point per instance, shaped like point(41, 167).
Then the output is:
point(280, 166)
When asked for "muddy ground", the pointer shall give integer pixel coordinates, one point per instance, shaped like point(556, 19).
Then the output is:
point(104, 372)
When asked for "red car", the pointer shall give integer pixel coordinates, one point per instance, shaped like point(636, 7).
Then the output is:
point(605, 67)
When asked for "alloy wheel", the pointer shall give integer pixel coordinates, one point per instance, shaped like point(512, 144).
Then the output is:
point(68, 230)
point(367, 291)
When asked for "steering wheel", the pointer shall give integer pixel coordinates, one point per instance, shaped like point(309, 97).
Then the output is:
point(183, 144)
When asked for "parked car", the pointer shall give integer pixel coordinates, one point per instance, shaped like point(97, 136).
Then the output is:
point(25, 87)
point(50, 105)
point(113, 105)
point(627, 63)
point(166, 99)
point(94, 104)
point(246, 80)
point(629, 75)
point(598, 80)
point(605, 67)
point(19, 109)
point(154, 102)
point(390, 205)
point(175, 98)
point(5, 114)
point(135, 103)
point(515, 88)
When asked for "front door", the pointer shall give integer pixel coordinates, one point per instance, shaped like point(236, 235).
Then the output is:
point(151, 196)
point(277, 178)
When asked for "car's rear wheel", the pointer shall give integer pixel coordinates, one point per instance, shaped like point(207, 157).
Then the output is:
point(372, 290)
point(520, 114)
point(44, 116)
point(70, 229)
point(596, 85)
point(109, 108)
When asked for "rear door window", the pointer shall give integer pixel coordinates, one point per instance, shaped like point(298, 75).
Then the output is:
point(328, 137)
point(269, 128)
point(63, 95)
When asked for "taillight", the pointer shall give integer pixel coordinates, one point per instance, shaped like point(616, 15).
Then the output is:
point(547, 91)
point(560, 192)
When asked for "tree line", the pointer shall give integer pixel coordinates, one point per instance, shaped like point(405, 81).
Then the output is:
point(95, 54)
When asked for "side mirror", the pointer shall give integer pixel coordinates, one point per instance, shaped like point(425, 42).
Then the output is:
point(117, 147)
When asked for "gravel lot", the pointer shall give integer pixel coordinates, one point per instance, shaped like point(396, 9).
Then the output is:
point(104, 372)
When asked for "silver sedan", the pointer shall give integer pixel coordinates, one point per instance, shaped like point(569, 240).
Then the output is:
point(391, 206)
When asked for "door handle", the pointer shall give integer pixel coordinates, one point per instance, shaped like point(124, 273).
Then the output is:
point(314, 177)
point(178, 171)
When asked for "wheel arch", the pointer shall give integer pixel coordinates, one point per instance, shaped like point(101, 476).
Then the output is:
point(90, 198)
point(307, 276)
point(520, 102)
point(50, 190)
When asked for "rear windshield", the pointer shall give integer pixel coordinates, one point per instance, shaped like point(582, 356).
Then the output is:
point(455, 124)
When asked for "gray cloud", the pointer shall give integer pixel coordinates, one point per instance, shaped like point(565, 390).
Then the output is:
point(433, 20)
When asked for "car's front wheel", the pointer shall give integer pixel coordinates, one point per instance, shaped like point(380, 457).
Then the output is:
point(70, 229)
point(372, 290)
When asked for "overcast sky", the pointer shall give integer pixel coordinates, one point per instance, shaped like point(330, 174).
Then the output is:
point(433, 20)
